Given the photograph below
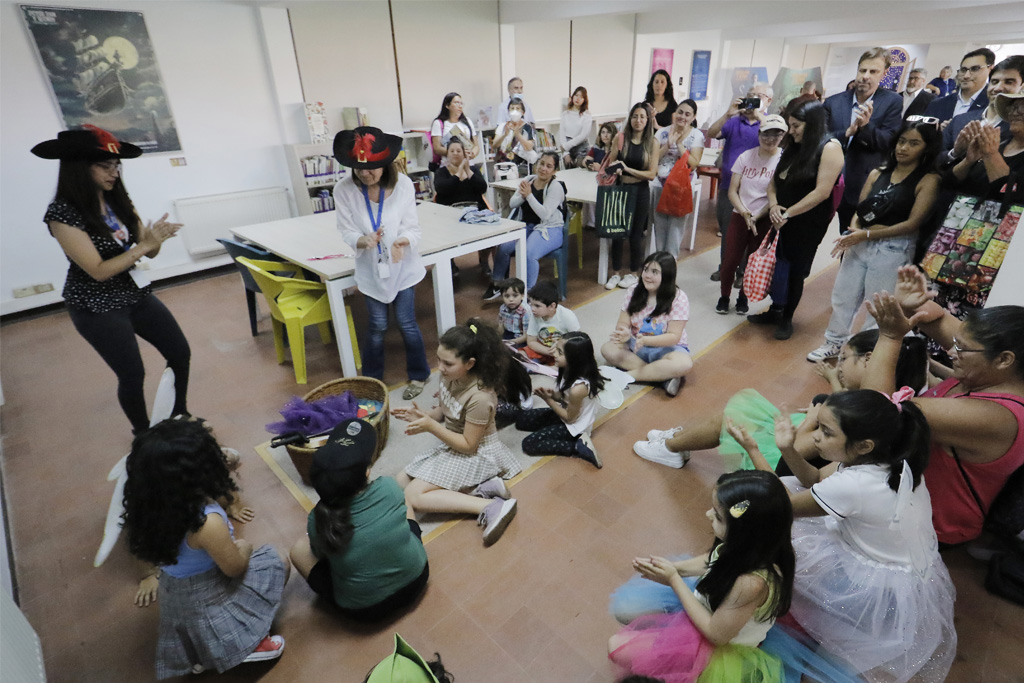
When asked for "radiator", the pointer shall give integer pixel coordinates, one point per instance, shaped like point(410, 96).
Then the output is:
point(207, 218)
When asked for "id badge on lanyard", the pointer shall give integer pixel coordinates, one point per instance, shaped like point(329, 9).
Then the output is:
point(383, 260)
point(120, 235)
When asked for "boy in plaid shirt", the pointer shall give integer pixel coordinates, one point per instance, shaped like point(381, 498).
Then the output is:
point(514, 316)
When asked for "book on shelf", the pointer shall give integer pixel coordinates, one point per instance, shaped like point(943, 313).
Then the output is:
point(316, 121)
point(322, 201)
point(353, 117)
point(320, 169)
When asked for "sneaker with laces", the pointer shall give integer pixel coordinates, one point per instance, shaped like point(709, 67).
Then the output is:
point(492, 293)
point(741, 305)
point(613, 281)
point(628, 281)
point(492, 488)
point(662, 434)
point(658, 452)
point(827, 350)
point(270, 647)
point(585, 451)
point(723, 305)
point(495, 518)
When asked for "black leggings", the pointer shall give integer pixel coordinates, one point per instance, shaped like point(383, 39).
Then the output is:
point(636, 232)
point(550, 435)
point(112, 334)
point(322, 583)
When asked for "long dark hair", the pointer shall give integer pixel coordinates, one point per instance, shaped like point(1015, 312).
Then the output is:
point(580, 363)
point(899, 434)
point(666, 293)
point(800, 160)
point(998, 329)
point(758, 539)
point(479, 340)
point(692, 105)
point(929, 132)
point(669, 96)
point(646, 137)
point(445, 115)
point(333, 517)
point(76, 186)
point(911, 365)
point(174, 469)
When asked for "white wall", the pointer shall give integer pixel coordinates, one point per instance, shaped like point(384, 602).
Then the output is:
point(216, 76)
point(542, 61)
point(602, 59)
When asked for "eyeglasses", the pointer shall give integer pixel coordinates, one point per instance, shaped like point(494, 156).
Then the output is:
point(927, 120)
point(960, 349)
point(972, 69)
point(109, 166)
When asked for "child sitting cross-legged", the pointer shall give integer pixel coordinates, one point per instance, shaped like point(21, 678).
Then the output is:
point(549, 322)
point(513, 315)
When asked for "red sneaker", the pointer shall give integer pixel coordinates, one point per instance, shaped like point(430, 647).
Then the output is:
point(270, 647)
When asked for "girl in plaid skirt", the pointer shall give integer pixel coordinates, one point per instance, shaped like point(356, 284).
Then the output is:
point(464, 472)
point(217, 595)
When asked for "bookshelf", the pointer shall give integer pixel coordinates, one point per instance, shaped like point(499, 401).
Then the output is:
point(314, 172)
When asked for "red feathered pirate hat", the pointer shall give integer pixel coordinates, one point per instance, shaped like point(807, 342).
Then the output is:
point(366, 147)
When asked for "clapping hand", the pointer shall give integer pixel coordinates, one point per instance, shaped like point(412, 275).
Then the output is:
point(524, 189)
point(826, 371)
point(368, 241)
point(988, 141)
point(785, 433)
point(408, 414)
point(656, 569)
point(886, 310)
point(741, 435)
point(861, 119)
point(911, 290)
point(398, 249)
point(153, 234)
point(852, 237)
point(620, 335)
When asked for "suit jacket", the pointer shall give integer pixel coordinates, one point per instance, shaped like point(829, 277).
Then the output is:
point(954, 127)
point(870, 144)
point(920, 103)
point(942, 108)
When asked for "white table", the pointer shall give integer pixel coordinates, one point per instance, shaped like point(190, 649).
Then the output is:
point(300, 239)
point(581, 187)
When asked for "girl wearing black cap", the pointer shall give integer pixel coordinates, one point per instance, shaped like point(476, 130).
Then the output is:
point(376, 210)
point(108, 298)
point(360, 550)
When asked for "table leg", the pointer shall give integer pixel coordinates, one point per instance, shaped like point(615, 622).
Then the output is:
point(444, 295)
point(336, 297)
point(521, 256)
point(602, 261)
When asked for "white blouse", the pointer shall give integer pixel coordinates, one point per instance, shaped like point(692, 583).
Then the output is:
point(398, 219)
point(574, 128)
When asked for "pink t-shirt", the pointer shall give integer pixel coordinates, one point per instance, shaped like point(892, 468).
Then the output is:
point(757, 174)
point(642, 325)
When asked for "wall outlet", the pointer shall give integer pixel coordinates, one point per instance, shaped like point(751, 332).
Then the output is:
point(43, 288)
point(178, 161)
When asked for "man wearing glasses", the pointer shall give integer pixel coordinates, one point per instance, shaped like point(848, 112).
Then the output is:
point(972, 77)
point(1007, 77)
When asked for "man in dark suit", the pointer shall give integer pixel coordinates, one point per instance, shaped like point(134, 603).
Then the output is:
point(1007, 77)
point(916, 97)
point(972, 76)
point(865, 122)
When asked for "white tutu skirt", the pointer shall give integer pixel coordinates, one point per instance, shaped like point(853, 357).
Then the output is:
point(889, 623)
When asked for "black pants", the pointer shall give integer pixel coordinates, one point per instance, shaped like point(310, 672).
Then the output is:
point(845, 211)
point(112, 334)
point(641, 214)
point(323, 585)
point(550, 435)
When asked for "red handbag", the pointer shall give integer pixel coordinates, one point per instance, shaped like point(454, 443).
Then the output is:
point(677, 193)
point(604, 178)
point(757, 278)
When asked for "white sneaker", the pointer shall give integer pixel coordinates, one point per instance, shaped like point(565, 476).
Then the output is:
point(827, 350)
point(657, 451)
point(628, 281)
point(663, 434)
point(613, 282)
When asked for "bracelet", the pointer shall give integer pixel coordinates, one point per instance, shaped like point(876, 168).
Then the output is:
point(868, 233)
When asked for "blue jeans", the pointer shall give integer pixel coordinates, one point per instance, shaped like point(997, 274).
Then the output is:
point(373, 348)
point(867, 268)
point(536, 248)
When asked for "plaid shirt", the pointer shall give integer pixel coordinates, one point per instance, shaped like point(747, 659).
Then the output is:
point(514, 321)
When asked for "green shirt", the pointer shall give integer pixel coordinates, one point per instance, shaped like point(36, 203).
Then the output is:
point(383, 554)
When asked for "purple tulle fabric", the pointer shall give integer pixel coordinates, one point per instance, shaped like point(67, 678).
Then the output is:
point(317, 417)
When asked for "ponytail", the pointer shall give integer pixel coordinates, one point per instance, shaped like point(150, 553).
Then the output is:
point(480, 341)
point(333, 527)
point(912, 444)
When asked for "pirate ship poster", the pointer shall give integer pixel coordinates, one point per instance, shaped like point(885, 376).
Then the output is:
point(103, 70)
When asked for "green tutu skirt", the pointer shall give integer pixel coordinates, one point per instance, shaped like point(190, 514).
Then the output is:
point(756, 414)
point(740, 663)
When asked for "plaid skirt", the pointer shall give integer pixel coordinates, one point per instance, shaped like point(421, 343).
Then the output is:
point(441, 466)
point(214, 620)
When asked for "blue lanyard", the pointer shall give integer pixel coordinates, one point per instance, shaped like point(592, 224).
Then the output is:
point(369, 210)
point(110, 218)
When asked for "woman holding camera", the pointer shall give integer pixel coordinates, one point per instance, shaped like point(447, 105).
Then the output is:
point(896, 200)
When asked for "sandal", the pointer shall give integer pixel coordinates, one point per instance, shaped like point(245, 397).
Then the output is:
point(414, 389)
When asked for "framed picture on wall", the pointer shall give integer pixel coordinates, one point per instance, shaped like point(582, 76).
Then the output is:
point(102, 70)
point(661, 58)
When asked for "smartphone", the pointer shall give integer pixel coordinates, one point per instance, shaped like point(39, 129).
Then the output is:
point(750, 103)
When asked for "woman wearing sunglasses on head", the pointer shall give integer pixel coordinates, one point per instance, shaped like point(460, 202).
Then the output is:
point(897, 199)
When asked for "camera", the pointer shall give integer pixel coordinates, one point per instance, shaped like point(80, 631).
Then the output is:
point(750, 103)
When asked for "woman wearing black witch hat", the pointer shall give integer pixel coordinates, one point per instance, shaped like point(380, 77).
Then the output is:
point(109, 300)
point(376, 209)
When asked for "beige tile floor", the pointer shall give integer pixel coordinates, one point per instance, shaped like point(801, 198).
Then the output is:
point(532, 608)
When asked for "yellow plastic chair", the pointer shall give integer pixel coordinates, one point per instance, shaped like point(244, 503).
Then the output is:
point(295, 304)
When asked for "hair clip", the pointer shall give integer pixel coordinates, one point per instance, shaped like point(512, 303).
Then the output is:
point(473, 328)
point(737, 510)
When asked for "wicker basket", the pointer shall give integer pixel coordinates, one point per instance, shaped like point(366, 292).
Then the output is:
point(361, 387)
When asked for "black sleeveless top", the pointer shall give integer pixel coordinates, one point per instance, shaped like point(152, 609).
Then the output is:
point(899, 198)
